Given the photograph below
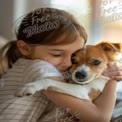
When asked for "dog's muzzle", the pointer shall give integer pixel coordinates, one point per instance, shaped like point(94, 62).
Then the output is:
point(80, 75)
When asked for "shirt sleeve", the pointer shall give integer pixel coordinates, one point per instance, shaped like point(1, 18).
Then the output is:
point(39, 69)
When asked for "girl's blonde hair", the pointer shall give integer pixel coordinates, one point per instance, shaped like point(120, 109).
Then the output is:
point(44, 26)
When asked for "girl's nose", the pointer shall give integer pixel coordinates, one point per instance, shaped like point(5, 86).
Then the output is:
point(68, 62)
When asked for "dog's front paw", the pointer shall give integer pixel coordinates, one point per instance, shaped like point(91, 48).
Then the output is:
point(26, 90)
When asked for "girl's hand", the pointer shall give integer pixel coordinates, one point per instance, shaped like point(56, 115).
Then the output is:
point(114, 72)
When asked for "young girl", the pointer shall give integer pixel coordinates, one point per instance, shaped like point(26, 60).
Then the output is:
point(51, 35)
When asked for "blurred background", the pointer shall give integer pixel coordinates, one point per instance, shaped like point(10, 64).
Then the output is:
point(101, 18)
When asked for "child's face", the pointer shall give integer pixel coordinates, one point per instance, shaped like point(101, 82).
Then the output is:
point(58, 55)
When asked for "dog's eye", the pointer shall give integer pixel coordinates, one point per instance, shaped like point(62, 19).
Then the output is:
point(74, 61)
point(96, 62)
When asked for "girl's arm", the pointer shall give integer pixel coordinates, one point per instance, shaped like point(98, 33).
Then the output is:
point(98, 111)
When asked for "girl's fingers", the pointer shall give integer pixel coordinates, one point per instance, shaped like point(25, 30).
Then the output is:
point(118, 78)
point(116, 73)
point(113, 73)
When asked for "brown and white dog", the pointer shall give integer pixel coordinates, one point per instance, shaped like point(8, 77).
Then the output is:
point(87, 81)
point(90, 62)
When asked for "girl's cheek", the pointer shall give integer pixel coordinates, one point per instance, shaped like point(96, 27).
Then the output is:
point(54, 61)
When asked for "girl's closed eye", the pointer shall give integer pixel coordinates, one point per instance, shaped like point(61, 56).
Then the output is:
point(55, 55)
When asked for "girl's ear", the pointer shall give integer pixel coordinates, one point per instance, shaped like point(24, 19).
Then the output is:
point(24, 48)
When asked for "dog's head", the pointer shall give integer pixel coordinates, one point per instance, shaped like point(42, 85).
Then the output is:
point(89, 62)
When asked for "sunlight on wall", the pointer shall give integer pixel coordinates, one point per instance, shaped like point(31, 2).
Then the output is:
point(111, 18)
point(112, 32)
point(109, 7)
point(79, 7)
point(19, 8)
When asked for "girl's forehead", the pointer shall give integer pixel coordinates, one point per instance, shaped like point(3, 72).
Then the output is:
point(77, 44)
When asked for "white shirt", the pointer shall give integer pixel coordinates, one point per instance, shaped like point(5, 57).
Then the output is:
point(28, 108)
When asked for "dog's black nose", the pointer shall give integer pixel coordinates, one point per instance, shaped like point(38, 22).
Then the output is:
point(80, 75)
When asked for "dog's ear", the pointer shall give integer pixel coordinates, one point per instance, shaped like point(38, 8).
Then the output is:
point(114, 47)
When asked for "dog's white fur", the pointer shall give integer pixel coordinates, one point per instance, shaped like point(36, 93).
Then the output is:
point(79, 91)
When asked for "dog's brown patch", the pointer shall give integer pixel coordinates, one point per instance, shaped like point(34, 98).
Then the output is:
point(94, 93)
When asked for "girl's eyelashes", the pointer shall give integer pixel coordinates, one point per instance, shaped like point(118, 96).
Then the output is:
point(56, 55)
